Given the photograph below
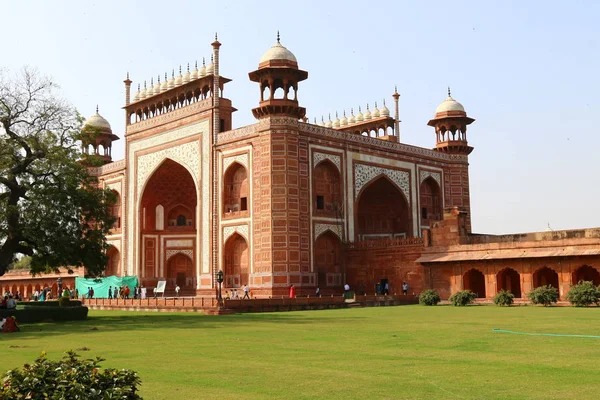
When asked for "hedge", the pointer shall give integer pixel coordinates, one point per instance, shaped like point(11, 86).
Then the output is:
point(49, 303)
point(46, 314)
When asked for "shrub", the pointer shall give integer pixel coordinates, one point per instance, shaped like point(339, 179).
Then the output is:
point(462, 298)
point(504, 298)
point(583, 294)
point(69, 378)
point(545, 295)
point(50, 303)
point(429, 297)
point(41, 314)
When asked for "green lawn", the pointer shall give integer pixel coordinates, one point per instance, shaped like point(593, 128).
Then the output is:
point(407, 352)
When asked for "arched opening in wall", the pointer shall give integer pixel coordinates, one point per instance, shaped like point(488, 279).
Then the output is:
point(180, 217)
point(90, 149)
point(291, 93)
point(430, 197)
point(101, 149)
point(180, 272)
point(328, 260)
point(383, 211)
point(115, 211)
point(236, 262)
point(545, 276)
point(586, 273)
point(113, 267)
point(327, 190)
point(235, 190)
point(168, 193)
point(510, 280)
point(266, 91)
point(474, 280)
point(28, 292)
point(278, 92)
point(54, 290)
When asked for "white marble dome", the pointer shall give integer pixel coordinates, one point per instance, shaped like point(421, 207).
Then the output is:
point(97, 121)
point(449, 105)
point(278, 52)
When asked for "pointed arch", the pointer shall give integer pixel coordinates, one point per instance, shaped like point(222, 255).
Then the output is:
point(383, 210)
point(474, 280)
point(545, 276)
point(586, 273)
point(180, 271)
point(328, 259)
point(327, 190)
point(510, 280)
point(236, 261)
point(236, 189)
point(430, 200)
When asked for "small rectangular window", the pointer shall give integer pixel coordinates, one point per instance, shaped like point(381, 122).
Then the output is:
point(222, 127)
point(424, 213)
point(320, 202)
point(244, 204)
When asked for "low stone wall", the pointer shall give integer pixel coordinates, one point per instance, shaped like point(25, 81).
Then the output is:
point(210, 305)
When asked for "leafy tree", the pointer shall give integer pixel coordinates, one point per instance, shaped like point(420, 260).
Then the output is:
point(21, 264)
point(584, 294)
point(69, 379)
point(545, 295)
point(50, 207)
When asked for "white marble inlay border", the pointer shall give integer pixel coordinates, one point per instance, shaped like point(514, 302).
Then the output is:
point(434, 175)
point(336, 160)
point(230, 230)
point(322, 228)
point(180, 243)
point(240, 158)
point(364, 174)
point(171, 253)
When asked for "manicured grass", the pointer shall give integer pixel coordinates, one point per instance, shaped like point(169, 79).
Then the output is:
point(407, 352)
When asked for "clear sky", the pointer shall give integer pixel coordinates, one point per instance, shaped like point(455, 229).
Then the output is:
point(527, 71)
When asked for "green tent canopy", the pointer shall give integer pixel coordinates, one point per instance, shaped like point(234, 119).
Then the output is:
point(101, 285)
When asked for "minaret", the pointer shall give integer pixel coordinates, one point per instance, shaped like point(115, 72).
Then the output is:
point(278, 71)
point(450, 123)
point(127, 82)
point(396, 97)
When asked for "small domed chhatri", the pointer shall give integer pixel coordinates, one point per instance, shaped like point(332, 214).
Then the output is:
point(278, 53)
point(97, 121)
point(449, 105)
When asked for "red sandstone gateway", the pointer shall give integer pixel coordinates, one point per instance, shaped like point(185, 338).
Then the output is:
point(287, 202)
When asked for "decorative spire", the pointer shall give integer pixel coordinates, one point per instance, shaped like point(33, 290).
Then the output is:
point(138, 87)
point(216, 36)
point(196, 64)
point(278, 38)
point(127, 75)
point(212, 58)
point(375, 104)
point(344, 113)
point(144, 85)
point(158, 79)
point(367, 106)
point(359, 110)
point(166, 79)
point(384, 102)
point(173, 74)
point(315, 120)
point(179, 69)
point(203, 61)
point(449, 95)
point(96, 108)
point(351, 110)
point(188, 67)
point(336, 114)
point(395, 89)
point(151, 81)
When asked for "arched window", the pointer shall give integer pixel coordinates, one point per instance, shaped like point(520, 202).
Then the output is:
point(236, 189)
point(327, 190)
point(431, 202)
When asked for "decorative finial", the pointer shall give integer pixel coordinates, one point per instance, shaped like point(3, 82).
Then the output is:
point(151, 81)
point(315, 120)
point(158, 79)
point(351, 110)
point(173, 74)
point(138, 87)
point(277, 36)
point(384, 102)
point(216, 36)
point(166, 79)
point(359, 110)
point(344, 113)
point(367, 106)
point(196, 65)
point(395, 88)
point(188, 70)
point(180, 69)
point(330, 116)
point(204, 61)
point(144, 85)
point(375, 104)
point(322, 119)
point(127, 74)
point(449, 95)
point(212, 58)
point(96, 108)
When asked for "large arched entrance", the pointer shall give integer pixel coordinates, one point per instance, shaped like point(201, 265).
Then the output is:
point(545, 276)
point(474, 280)
point(328, 260)
point(180, 272)
point(236, 265)
point(430, 197)
point(510, 280)
point(327, 190)
point(586, 273)
point(235, 190)
point(167, 218)
point(114, 262)
point(383, 212)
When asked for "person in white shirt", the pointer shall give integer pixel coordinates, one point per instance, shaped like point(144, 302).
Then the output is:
point(177, 291)
point(11, 303)
point(246, 292)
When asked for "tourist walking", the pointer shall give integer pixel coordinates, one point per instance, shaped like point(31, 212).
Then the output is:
point(318, 292)
point(246, 292)
point(404, 288)
point(110, 292)
point(292, 291)
point(177, 291)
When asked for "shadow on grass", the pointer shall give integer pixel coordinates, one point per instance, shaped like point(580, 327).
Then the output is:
point(139, 321)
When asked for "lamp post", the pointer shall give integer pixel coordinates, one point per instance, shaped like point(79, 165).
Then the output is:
point(220, 281)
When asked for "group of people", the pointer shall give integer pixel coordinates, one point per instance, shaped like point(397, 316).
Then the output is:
point(8, 302)
point(234, 295)
point(124, 292)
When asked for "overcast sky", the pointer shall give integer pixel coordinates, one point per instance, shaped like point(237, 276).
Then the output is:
point(527, 71)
